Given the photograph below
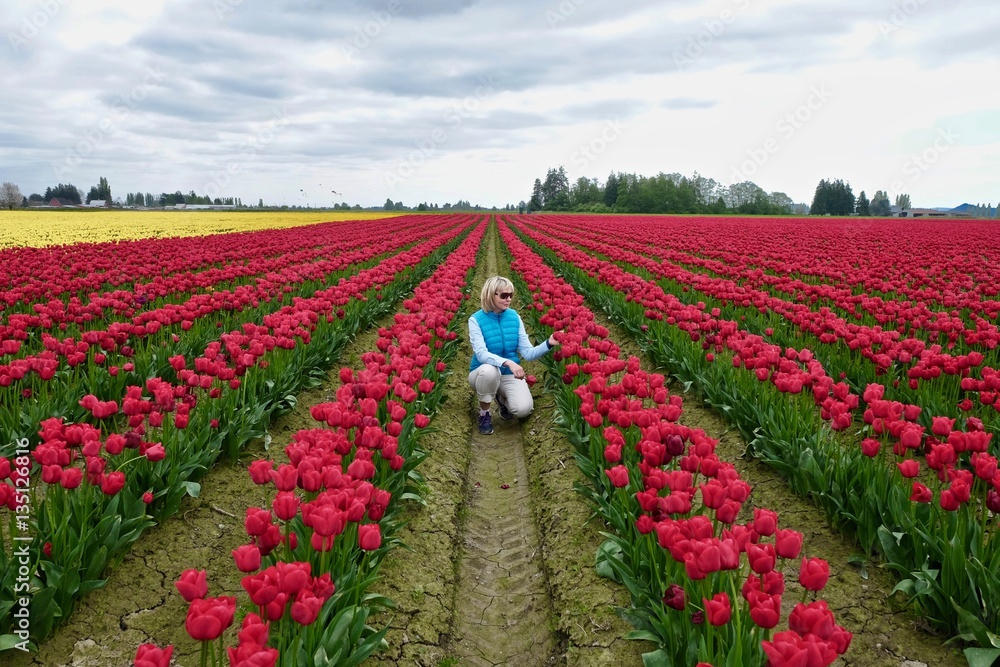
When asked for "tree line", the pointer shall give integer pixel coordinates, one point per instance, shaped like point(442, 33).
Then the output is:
point(12, 196)
point(837, 198)
point(663, 193)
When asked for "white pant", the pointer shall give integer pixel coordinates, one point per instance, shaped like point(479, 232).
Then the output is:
point(488, 382)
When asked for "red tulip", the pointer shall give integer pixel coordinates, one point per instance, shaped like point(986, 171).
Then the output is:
point(306, 607)
point(113, 483)
point(257, 521)
point(150, 655)
point(920, 493)
point(247, 558)
point(618, 476)
point(942, 426)
point(765, 610)
point(765, 521)
point(192, 584)
point(870, 447)
point(285, 505)
point(761, 557)
point(369, 536)
point(208, 618)
point(261, 587)
point(260, 471)
point(909, 468)
point(293, 577)
point(814, 573)
point(719, 609)
point(788, 543)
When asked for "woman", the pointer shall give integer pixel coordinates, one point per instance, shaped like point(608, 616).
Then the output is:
point(497, 335)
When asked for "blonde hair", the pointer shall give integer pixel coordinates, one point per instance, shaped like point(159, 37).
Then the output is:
point(491, 287)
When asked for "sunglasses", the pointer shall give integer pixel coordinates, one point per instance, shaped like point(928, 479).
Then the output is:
point(505, 295)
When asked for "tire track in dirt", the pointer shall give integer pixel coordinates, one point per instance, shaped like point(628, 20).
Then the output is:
point(502, 607)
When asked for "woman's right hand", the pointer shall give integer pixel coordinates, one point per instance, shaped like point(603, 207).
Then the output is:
point(515, 369)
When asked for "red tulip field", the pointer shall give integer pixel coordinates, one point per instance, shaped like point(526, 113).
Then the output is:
point(725, 392)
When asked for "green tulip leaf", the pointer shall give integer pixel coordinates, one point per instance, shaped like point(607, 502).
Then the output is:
point(8, 642)
point(193, 489)
point(968, 624)
point(982, 657)
point(658, 658)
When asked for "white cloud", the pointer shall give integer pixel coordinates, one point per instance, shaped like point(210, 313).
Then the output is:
point(375, 87)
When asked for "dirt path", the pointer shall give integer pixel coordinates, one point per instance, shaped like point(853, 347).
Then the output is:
point(502, 604)
point(494, 572)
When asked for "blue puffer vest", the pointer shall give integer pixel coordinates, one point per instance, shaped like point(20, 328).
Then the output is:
point(500, 335)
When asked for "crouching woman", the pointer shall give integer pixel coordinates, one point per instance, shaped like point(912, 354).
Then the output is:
point(499, 343)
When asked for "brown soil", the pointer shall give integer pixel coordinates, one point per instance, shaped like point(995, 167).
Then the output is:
point(502, 607)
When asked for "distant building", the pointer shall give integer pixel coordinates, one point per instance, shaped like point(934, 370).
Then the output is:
point(929, 213)
point(99, 203)
point(204, 207)
point(61, 201)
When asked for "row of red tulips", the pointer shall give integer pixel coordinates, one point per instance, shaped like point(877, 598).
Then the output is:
point(910, 359)
point(938, 547)
point(685, 559)
point(267, 258)
point(102, 361)
point(936, 266)
point(79, 310)
point(313, 554)
point(177, 428)
point(30, 276)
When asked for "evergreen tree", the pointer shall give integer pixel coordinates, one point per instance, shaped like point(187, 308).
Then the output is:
point(100, 191)
point(832, 198)
point(536, 202)
point(64, 191)
point(880, 205)
point(611, 190)
point(863, 207)
point(555, 190)
point(903, 201)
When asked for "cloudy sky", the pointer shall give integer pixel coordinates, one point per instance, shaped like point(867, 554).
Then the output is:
point(293, 101)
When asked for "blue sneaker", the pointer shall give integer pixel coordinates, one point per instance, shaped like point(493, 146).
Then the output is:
point(485, 424)
point(505, 414)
